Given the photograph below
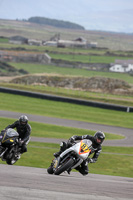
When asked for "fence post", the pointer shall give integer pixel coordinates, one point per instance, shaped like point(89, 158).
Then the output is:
point(128, 109)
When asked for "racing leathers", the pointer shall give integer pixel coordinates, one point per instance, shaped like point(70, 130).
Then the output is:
point(96, 149)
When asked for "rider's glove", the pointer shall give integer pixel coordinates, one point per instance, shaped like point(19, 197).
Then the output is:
point(72, 139)
point(20, 142)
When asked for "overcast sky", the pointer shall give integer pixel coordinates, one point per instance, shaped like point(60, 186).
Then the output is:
point(113, 15)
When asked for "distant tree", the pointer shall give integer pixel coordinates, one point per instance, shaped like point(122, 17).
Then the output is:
point(56, 23)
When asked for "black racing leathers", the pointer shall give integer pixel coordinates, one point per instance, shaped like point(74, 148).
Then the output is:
point(96, 149)
point(23, 131)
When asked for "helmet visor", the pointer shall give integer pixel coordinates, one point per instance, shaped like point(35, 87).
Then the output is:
point(23, 123)
point(99, 141)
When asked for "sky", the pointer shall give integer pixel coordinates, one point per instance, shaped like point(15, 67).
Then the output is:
point(104, 15)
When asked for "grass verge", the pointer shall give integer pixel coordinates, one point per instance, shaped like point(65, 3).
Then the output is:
point(40, 155)
point(36, 106)
point(65, 92)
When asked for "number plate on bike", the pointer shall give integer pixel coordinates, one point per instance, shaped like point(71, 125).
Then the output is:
point(84, 148)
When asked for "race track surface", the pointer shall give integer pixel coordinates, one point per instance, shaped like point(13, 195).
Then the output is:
point(26, 183)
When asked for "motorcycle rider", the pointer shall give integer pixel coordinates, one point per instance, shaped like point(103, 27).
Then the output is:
point(24, 130)
point(97, 140)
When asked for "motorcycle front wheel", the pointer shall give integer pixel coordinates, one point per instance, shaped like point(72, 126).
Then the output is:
point(11, 159)
point(65, 166)
point(50, 170)
point(11, 162)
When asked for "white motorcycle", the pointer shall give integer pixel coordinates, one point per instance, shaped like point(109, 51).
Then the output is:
point(71, 157)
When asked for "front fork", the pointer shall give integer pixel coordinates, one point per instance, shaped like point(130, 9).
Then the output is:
point(58, 161)
point(55, 163)
point(2, 154)
point(13, 152)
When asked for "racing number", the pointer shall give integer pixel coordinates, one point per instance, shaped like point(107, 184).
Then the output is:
point(85, 147)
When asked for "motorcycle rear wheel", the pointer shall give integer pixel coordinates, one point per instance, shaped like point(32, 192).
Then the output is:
point(64, 167)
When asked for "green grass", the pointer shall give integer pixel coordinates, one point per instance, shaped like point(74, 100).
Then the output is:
point(87, 58)
point(39, 68)
point(54, 131)
point(41, 154)
point(115, 165)
point(4, 40)
point(91, 96)
point(65, 110)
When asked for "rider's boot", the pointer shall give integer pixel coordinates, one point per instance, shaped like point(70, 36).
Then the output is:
point(63, 147)
point(69, 170)
point(83, 171)
point(19, 156)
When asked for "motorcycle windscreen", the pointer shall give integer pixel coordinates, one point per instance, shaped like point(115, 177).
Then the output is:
point(9, 133)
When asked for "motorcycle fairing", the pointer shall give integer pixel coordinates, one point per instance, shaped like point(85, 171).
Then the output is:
point(9, 136)
point(66, 152)
point(84, 144)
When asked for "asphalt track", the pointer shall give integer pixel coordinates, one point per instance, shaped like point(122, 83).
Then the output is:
point(25, 183)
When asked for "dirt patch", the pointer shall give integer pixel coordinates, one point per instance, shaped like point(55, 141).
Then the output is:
point(95, 84)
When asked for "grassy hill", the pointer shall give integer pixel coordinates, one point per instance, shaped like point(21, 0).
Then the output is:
point(8, 70)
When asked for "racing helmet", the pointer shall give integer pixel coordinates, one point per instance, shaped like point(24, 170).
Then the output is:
point(99, 137)
point(23, 120)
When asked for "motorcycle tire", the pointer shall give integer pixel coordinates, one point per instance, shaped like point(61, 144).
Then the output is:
point(64, 167)
point(11, 159)
point(50, 170)
point(11, 162)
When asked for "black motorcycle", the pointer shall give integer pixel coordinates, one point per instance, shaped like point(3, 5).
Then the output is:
point(9, 148)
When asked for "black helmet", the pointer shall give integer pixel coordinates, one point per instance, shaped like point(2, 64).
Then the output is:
point(23, 120)
point(99, 137)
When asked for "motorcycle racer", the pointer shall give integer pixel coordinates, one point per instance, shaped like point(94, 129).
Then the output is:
point(97, 140)
point(23, 129)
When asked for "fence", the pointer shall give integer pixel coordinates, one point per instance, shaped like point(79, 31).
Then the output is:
point(67, 99)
